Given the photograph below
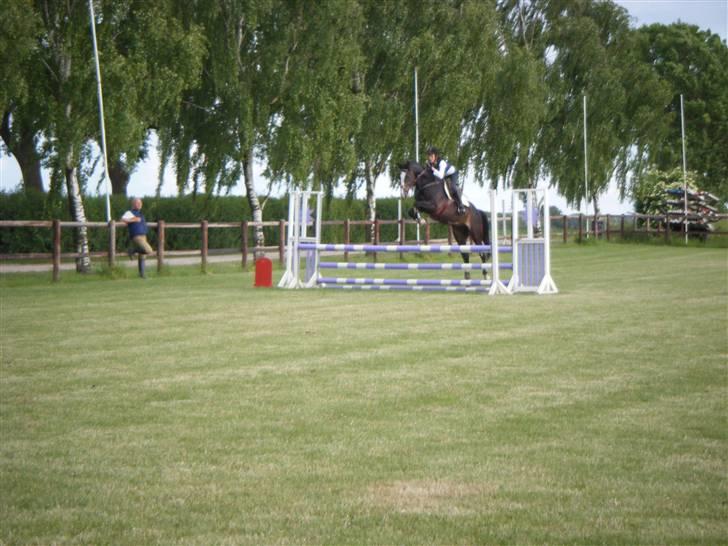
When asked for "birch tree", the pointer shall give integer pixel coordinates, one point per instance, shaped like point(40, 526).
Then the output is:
point(64, 57)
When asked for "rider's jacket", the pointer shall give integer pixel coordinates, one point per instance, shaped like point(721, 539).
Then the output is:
point(442, 168)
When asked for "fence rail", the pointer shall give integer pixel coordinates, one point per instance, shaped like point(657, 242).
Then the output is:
point(564, 228)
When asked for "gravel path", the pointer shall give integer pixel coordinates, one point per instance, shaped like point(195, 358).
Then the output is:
point(122, 260)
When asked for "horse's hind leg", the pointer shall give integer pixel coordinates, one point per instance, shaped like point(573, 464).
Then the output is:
point(461, 236)
point(484, 257)
point(466, 260)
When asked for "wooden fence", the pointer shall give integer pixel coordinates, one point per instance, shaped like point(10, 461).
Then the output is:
point(563, 229)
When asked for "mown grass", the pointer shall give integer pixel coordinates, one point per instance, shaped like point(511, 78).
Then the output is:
point(194, 409)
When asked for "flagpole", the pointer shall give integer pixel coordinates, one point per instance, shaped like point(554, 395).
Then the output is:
point(101, 109)
point(417, 138)
point(586, 175)
point(417, 123)
point(685, 168)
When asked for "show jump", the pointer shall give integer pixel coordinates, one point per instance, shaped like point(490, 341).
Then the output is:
point(529, 268)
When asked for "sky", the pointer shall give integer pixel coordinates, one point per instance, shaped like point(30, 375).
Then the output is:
point(707, 14)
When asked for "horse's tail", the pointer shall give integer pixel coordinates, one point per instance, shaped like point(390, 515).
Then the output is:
point(486, 227)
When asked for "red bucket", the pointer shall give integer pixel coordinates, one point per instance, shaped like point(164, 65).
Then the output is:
point(263, 272)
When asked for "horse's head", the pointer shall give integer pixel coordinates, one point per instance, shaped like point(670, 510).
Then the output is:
point(412, 170)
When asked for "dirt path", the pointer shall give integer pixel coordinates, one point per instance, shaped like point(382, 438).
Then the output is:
point(125, 262)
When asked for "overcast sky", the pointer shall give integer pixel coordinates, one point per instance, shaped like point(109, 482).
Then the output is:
point(707, 14)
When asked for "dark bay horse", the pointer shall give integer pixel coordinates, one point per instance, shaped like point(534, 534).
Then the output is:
point(431, 199)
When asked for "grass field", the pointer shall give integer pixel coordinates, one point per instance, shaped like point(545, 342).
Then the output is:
point(194, 409)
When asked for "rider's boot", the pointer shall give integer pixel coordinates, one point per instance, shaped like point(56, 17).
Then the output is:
point(456, 197)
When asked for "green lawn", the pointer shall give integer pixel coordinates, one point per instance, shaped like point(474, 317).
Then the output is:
point(195, 409)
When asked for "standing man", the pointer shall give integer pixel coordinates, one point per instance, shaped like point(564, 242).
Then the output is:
point(447, 173)
point(134, 220)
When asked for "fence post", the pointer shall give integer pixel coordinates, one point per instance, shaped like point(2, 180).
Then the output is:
point(377, 234)
point(160, 244)
point(621, 227)
point(402, 237)
point(607, 226)
point(112, 243)
point(566, 228)
point(667, 228)
point(347, 237)
point(581, 228)
point(56, 250)
point(203, 253)
point(282, 241)
point(244, 243)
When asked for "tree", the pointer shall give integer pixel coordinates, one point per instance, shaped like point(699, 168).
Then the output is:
point(310, 135)
point(693, 63)
point(213, 137)
point(505, 130)
point(67, 83)
point(20, 25)
point(457, 49)
point(384, 80)
point(554, 53)
point(452, 45)
point(585, 38)
point(148, 56)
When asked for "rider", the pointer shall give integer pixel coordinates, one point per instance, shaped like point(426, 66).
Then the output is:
point(446, 172)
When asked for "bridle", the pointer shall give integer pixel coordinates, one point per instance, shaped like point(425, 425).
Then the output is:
point(433, 182)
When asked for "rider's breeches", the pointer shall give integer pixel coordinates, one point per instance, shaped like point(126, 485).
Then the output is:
point(454, 186)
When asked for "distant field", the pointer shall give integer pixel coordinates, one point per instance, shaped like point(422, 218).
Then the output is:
point(195, 409)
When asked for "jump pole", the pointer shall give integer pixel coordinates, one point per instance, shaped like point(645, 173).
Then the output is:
point(290, 247)
point(496, 287)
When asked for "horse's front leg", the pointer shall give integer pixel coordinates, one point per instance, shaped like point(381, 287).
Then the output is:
point(466, 260)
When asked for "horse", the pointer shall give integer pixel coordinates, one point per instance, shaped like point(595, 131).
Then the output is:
point(431, 199)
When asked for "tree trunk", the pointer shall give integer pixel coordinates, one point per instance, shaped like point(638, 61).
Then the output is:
point(75, 205)
point(119, 175)
point(78, 214)
point(22, 146)
point(371, 200)
point(255, 207)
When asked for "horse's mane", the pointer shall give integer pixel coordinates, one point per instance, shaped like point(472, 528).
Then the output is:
point(413, 166)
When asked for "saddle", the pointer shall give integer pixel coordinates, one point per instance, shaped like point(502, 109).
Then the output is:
point(464, 200)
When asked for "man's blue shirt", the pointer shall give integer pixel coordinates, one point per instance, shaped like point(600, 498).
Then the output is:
point(137, 228)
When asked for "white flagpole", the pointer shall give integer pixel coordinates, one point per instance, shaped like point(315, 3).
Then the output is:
point(685, 169)
point(417, 137)
point(586, 175)
point(101, 109)
point(417, 123)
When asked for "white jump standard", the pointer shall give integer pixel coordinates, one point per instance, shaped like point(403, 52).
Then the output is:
point(531, 254)
point(530, 272)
